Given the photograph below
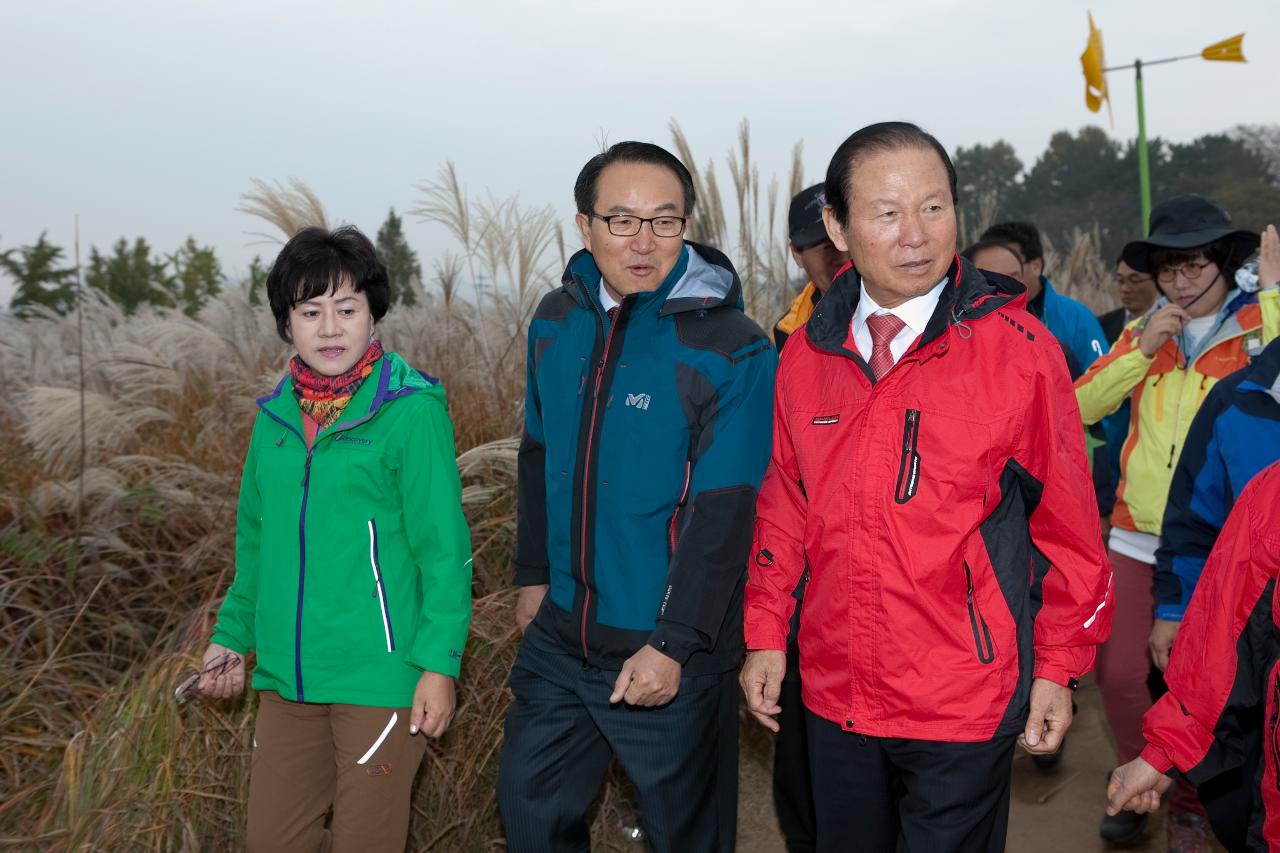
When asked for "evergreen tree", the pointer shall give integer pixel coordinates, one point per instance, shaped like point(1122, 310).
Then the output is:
point(403, 268)
point(39, 277)
point(130, 276)
point(197, 275)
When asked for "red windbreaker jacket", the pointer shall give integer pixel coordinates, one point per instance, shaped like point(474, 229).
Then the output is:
point(945, 515)
point(1224, 673)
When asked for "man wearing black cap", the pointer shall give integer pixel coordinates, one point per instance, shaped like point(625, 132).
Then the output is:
point(814, 253)
point(1202, 329)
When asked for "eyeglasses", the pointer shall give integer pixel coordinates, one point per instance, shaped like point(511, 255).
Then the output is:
point(1134, 280)
point(626, 225)
point(1190, 271)
point(190, 686)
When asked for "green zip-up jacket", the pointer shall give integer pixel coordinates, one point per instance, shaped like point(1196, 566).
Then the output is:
point(353, 559)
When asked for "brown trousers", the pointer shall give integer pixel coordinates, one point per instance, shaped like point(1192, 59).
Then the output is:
point(308, 758)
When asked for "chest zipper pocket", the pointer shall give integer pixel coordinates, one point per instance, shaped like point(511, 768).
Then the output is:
point(909, 465)
point(981, 633)
point(1274, 725)
point(379, 586)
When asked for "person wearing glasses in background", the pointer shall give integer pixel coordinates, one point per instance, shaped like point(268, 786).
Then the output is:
point(1201, 330)
point(647, 432)
point(1137, 292)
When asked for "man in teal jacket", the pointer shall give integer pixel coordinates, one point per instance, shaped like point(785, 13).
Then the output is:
point(647, 431)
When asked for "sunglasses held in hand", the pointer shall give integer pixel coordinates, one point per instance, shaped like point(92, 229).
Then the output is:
point(190, 686)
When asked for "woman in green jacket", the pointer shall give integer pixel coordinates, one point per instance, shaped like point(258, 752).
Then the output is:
point(353, 565)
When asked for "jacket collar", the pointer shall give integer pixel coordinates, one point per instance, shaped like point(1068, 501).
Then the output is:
point(969, 294)
point(390, 380)
point(1262, 376)
point(702, 278)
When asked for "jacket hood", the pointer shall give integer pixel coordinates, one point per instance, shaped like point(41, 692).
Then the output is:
point(702, 278)
point(969, 294)
point(1263, 374)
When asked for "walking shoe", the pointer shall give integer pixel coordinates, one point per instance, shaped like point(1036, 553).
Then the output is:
point(1187, 833)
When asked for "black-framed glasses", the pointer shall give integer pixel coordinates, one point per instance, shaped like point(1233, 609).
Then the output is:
point(627, 225)
point(1136, 279)
point(1191, 271)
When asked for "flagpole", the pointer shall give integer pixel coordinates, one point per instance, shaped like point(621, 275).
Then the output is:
point(1144, 169)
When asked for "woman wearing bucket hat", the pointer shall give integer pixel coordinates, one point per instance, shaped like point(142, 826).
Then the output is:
point(1202, 329)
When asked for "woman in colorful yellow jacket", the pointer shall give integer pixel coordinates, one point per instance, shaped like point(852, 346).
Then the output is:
point(1202, 329)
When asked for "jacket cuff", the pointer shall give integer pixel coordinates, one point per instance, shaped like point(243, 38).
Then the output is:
point(531, 575)
point(1063, 665)
point(676, 641)
point(235, 644)
point(438, 660)
point(1170, 612)
point(758, 642)
point(1156, 758)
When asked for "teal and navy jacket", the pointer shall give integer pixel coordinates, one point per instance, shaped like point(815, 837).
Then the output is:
point(1235, 434)
point(645, 441)
point(353, 559)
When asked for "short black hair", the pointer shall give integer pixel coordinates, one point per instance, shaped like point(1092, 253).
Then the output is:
point(316, 261)
point(982, 245)
point(1222, 252)
point(877, 139)
point(584, 189)
point(1021, 233)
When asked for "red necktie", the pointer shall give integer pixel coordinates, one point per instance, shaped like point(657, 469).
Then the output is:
point(884, 328)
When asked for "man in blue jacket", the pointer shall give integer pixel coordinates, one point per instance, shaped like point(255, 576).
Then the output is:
point(1068, 320)
point(647, 432)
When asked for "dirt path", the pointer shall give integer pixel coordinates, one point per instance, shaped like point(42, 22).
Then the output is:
point(1051, 812)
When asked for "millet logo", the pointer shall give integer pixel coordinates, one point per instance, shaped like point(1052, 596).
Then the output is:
point(640, 401)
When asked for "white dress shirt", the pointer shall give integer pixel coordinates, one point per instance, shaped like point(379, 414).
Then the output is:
point(606, 298)
point(914, 313)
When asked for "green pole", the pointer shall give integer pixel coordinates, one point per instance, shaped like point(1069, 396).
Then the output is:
point(1144, 173)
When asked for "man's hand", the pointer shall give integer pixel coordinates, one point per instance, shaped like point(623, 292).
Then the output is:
point(222, 673)
point(1269, 258)
point(1136, 786)
point(1161, 326)
point(648, 679)
point(761, 680)
point(1161, 640)
point(433, 705)
point(527, 604)
point(1050, 717)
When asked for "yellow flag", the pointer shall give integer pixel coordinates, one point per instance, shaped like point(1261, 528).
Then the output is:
point(1228, 50)
point(1095, 82)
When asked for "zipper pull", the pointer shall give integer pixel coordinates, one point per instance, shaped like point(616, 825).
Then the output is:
point(1173, 448)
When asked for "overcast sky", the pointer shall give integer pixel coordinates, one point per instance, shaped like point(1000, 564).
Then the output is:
point(150, 118)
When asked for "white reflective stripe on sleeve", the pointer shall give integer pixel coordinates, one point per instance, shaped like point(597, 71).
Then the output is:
point(377, 743)
point(1088, 623)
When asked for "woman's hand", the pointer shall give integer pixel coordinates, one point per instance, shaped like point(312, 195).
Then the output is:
point(433, 705)
point(1269, 258)
point(1162, 325)
point(221, 673)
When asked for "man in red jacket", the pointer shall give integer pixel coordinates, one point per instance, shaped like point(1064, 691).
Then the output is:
point(929, 467)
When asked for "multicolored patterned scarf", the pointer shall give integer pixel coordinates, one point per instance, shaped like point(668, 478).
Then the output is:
point(322, 398)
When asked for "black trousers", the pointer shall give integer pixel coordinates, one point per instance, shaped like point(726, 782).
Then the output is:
point(792, 784)
point(561, 732)
point(884, 795)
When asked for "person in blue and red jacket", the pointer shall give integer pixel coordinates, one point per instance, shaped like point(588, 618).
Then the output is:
point(1222, 710)
point(926, 445)
point(1235, 435)
point(646, 436)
